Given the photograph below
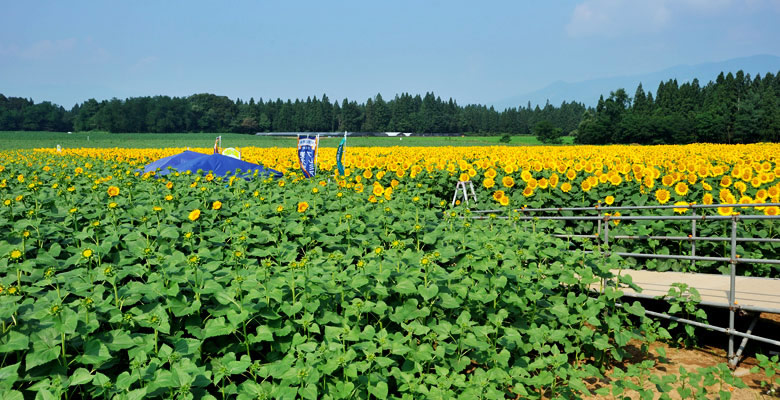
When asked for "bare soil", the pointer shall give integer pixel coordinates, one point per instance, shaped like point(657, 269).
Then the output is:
point(707, 355)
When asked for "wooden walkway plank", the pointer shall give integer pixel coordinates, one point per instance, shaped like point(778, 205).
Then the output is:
point(751, 292)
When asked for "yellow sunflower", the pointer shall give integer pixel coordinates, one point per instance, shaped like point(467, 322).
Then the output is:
point(554, 180)
point(707, 199)
point(378, 190)
point(745, 200)
point(725, 211)
point(662, 195)
point(725, 181)
point(194, 214)
point(507, 181)
point(667, 180)
point(616, 221)
point(682, 207)
point(741, 186)
point(681, 188)
point(761, 195)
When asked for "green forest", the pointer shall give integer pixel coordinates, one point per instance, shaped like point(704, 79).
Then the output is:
point(734, 108)
point(212, 113)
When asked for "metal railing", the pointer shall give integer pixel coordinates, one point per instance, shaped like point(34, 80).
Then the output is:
point(602, 238)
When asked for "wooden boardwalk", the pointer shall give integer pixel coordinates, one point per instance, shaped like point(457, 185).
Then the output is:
point(752, 294)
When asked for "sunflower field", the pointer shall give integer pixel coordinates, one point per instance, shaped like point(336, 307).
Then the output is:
point(122, 285)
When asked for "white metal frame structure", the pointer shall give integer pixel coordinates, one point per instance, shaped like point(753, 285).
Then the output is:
point(603, 241)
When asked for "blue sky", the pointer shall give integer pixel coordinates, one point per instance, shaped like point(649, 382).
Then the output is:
point(474, 52)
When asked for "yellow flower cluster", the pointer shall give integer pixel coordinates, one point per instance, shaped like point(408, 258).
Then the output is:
point(555, 176)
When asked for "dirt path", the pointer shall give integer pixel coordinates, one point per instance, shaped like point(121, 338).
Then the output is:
point(702, 357)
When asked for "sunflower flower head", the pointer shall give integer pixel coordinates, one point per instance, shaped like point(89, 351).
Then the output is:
point(662, 195)
point(194, 215)
point(726, 211)
point(681, 188)
point(682, 207)
point(507, 181)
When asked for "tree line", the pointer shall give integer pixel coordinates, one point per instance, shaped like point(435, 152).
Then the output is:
point(734, 108)
point(211, 113)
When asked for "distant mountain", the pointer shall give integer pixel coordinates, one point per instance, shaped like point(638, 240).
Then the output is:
point(588, 92)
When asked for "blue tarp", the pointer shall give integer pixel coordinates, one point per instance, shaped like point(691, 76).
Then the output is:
point(173, 161)
point(216, 163)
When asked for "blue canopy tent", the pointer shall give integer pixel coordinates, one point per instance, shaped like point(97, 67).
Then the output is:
point(220, 165)
point(173, 161)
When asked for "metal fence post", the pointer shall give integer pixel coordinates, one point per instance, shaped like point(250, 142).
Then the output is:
point(606, 235)
point(693, 242)
point(598, 229)
point(603, 283)
point(732, 285)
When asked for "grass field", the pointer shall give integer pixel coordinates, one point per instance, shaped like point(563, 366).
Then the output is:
point(31, 140)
